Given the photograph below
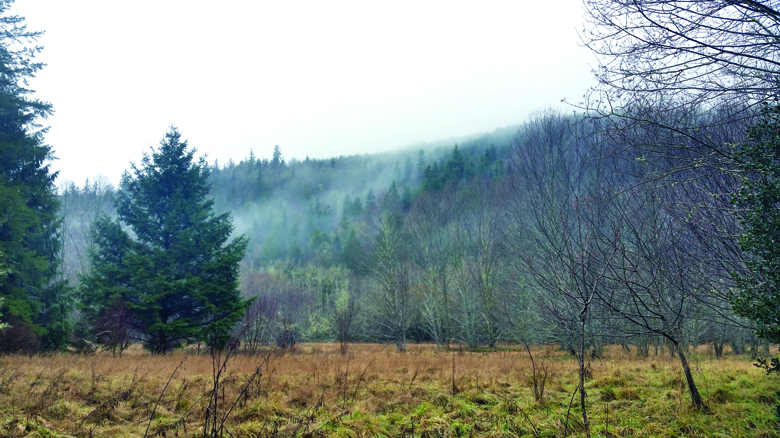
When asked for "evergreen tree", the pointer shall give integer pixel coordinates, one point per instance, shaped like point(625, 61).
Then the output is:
point(408, 166)
point(420, 165)
point(406, 199)
point(30, 243)
point(456, 166)
point(346, 205)
point(178, 271)
point(277, 160)
point(352, 253)
point(371, 205)
point(759, 201)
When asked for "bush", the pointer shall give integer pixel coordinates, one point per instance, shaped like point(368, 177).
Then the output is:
point(19, 337)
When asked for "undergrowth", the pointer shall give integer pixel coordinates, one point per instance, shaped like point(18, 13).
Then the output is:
point(376, 391)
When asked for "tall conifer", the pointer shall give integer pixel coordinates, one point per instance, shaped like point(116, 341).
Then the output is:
point(178, 269)
point(35, 305)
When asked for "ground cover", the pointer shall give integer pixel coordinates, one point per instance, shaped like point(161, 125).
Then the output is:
point(376, 391)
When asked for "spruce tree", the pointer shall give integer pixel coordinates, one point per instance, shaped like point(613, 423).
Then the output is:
point(167, 255)
point(33, 303)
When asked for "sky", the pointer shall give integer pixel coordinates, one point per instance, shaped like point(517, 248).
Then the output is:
point(319, 79)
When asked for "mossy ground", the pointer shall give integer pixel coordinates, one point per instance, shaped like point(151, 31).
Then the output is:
point(376, 391)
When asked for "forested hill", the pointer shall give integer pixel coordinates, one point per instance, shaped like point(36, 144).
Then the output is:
point(295, 209)
point(292, 209)
point(478, 242)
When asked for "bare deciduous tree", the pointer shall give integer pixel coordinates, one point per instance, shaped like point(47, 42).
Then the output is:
point(482, 223)
point(391, 268)
point(556, 185)
point(703, 50)
point(430, 226)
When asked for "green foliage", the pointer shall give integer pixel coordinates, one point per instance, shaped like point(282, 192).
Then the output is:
point(29, 225)
point(758, 200)
point(773, 366)
point(177, 272)
point(462, 165)
point(352, 208)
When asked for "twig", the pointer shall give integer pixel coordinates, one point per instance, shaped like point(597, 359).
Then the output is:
point(243, 392)
point(566, 424)
point(310, 415)
point(537, 375)
point(454, 388)
point(536, 433)
point(354, 395)
point(154, 411)
point(331, 420)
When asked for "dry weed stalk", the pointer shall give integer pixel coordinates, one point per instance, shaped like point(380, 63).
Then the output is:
point(214, 423)
point(308, 418)
point(362, 375)
point(162, 393)
point(48, 396)
point(105, 409)
point(519, 409)
point(568, 411)
point(539, 375)
point(454, 388)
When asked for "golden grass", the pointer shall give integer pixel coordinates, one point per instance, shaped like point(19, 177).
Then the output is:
point(376, 391)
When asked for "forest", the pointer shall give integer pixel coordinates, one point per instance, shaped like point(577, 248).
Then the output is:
point(476, 230)
point(639, 229)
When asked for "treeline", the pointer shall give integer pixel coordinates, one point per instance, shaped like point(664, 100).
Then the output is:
point(479, 257)
point(294, 210)
point(306, 216)
point(475, 247)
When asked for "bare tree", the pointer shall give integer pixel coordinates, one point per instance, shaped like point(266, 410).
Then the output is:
point(696, 50)
point(391, 268)
point(482, 223)
point(258, 323)
point(683, 57)
point(277, 311)
point(555, 189)
point(654, 283)
point(343, 316)
point(430, 224)
point(114, 328)
point(467, 314)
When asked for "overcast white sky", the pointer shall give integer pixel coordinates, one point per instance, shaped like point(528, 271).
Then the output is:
point(319, 78)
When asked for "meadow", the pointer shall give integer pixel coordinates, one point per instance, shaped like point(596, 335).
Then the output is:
point(374, 390)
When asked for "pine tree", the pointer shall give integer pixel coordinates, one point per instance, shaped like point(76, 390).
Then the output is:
point(33, 303)
point(178, 272)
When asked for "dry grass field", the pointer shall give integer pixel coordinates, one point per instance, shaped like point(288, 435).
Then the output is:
point(376, 391)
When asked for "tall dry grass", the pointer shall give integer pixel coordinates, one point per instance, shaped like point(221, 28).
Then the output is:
point(374, 390)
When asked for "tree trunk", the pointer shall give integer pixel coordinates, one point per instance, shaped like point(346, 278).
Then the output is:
point(400, 341)
point(643, 348)
point(698, 403)
point(737, 347)
point(718, 346)
point(447, 319)
point(585, 422)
